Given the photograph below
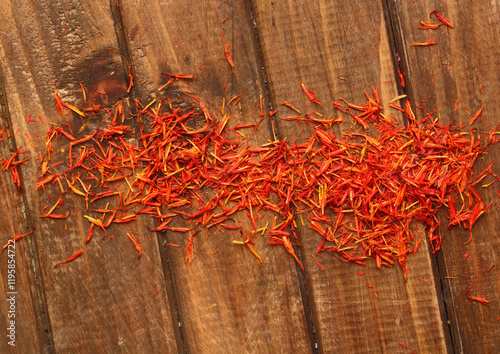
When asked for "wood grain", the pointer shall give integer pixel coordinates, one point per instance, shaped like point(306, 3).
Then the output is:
point(106, 300)
point(473, 62)
point(319, 42)
point(227, 301)
point(27, 308)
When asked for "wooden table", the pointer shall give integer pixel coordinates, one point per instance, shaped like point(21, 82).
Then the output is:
point(108, 301)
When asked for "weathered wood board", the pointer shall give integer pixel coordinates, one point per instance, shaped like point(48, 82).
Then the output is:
point(24, 314)
point(343, 62)
point(108, 300)
point(464, 65)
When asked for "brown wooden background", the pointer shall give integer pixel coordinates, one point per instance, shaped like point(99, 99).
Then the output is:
point(108, 301)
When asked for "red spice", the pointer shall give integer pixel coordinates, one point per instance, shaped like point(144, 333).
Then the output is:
point(15, 238)
point(441, 18)
point(77, 254)
point(401, 344)
point(131, 84)
point(473, 298)
point(477, 115)
point(290, 106)
point(425, 44)
point(429, 25)
point(136, 244)
point(29, 119)
point(114, 50)
point(91, 231)
point(373, 289)
point(61, 105)
point(226, 51)
point(312, 254)
point(310, 94)
point(248, 243)
point(236, 99)
point(190, 248)
point(401, 77)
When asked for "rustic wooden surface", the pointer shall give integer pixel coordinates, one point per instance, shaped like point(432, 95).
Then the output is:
point(28, 287)
point(109, 301)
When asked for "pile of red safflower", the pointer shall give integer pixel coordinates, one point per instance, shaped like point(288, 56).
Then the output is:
point(361, 193)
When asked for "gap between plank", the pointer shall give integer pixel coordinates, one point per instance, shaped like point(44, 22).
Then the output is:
point(304, 282)
point(32, 246)
point(401, 62)
point(165, 257)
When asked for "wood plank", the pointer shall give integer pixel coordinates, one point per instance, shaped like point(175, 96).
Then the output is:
point(106, 300)
point(319, 42)
point(27, 306)
point(473, 59)
point(227, 301)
